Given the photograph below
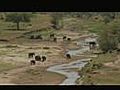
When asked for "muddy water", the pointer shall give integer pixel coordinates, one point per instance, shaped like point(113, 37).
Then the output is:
point(65, 69)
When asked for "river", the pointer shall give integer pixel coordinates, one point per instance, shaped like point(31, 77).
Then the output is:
point(65, 69)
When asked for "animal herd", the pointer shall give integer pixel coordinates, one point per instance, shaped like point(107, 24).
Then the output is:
point(43, 58)
point(51, 36)
point(40, 58)
point(36, 58)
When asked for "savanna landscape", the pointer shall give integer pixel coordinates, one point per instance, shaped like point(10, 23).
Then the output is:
point(59, 48)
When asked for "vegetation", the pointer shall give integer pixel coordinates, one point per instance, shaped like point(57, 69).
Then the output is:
point(17, 18)
point(91, 73)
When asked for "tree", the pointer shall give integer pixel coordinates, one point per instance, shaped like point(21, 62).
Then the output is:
point(57, 20)
point(108, 40)
point(18, 17)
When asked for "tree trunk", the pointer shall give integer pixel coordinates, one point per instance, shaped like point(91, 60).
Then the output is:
point(18, 27)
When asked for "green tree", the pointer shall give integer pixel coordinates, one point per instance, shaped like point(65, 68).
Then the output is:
point(108, 40)
point(18, 17)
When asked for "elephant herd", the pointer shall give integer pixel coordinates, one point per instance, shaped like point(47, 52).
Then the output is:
point(36, 58)
point(43, 58)
point(52, 36)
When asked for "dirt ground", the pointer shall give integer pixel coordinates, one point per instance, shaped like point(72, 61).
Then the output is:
point(22, 72)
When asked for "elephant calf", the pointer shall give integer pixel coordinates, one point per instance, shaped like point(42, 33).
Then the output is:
point(37, 58)
point(55, 39)
point(69, 39)
point(52, 35)
point(30, 55)
point(32, 62)
point(64, 37)
point(68, 56)
point(43, 58)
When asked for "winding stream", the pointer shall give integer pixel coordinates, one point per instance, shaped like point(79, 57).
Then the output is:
point(64, 69)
